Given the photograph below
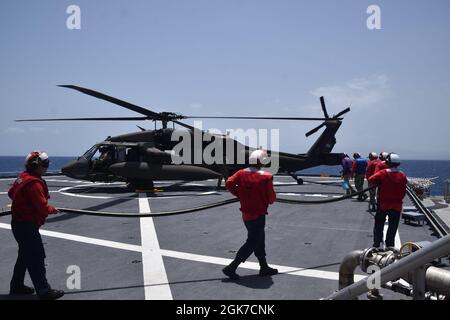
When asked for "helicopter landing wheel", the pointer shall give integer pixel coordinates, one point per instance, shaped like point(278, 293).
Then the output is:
point(299, 181)
point(219, 183)
point(140, 185)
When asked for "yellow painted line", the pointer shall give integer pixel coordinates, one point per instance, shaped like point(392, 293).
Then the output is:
point(151, 190)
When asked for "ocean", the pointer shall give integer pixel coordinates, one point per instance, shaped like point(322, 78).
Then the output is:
point(412, 168)
point(11, 165)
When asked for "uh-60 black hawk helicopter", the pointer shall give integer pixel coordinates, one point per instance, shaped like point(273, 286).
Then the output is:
point(140, 158)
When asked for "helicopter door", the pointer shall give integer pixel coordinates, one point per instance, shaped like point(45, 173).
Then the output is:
point(120, 154)
point(132, 154)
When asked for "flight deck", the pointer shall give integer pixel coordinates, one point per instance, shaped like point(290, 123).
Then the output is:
point(182, 256)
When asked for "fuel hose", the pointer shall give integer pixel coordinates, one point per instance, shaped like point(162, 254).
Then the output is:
point(194, 209)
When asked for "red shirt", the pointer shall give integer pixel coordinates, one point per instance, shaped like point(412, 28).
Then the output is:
point(29, 195)
point(371, 167)
point(380, 166)
point(254, 188)
point(391, 188)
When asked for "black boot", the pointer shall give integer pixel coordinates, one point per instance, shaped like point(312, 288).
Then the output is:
point(52, 295)
point(230, 270)
point(265, 270)
point(22, 290)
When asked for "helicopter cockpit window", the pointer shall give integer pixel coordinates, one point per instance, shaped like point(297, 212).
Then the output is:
point(120, 154)
point(97, 155)
point(103, 157)
point(132, 154)
point(90, 153)
point(99, 152)
point(107, 153)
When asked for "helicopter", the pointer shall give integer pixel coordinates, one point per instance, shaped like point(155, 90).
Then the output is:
point(140, 158)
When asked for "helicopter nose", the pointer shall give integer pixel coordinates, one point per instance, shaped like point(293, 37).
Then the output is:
point(76, 169)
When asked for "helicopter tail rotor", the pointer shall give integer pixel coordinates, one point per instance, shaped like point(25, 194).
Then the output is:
point(327, 118)
point(324, 108)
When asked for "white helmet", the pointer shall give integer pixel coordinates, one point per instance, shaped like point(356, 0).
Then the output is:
point(258, 157)
point(383, 155)
point(393, 159)
point(36, 158)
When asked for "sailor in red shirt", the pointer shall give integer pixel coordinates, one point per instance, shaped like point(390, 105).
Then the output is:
point(391, 191)
point(382, 164)
point(254, 188)
point(373, 162)
point(30, 208)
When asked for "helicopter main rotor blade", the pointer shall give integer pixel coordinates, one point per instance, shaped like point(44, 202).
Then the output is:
point(257, 118)
point(127, 105)
point(87, 119)
point(183, 124)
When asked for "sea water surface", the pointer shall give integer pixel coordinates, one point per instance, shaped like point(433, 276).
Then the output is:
point(12, 165)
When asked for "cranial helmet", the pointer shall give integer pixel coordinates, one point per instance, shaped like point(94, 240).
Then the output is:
point(373, 155)
point(393, 159)
point(383, 155)
point(35, 159)
point(258, 157)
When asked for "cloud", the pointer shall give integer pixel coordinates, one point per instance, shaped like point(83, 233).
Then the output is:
point(37, 130)
point(20, 131)
point(359, 92)
point(196, 106)
point(276, 102)
point(14, 130)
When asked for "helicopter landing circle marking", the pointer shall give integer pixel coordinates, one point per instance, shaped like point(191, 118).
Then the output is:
point(64, 191)
point(69, 181)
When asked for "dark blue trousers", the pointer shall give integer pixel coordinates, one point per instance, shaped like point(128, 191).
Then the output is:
point(31, 257)
point(255, 240)
point(380, 219)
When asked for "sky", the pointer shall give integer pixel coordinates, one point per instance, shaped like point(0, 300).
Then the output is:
point(229, 57)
